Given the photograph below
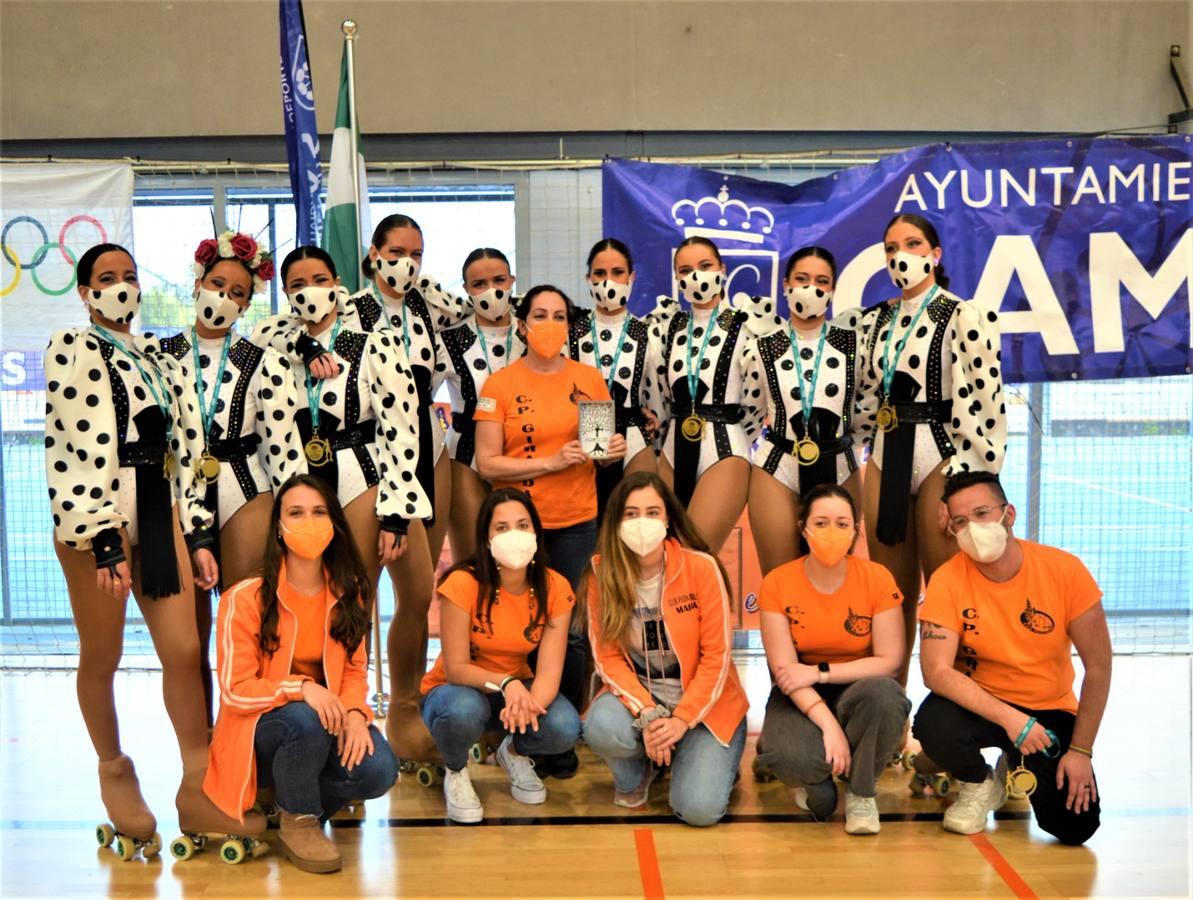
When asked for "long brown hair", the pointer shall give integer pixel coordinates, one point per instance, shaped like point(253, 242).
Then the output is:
point(617, 575)
point(347, 577)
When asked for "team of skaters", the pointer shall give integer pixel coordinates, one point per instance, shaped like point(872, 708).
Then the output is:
point(284, 471)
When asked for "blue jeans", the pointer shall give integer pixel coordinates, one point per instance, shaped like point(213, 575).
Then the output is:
point(297, 756)
point(459, 716)
point(570, 549)
point(702, 769)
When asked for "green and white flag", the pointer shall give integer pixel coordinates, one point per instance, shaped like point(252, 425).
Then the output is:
point(340, 238)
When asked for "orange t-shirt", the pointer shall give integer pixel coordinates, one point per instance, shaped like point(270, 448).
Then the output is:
point(311, 612)
point(540, 413)
point(831, 628)
point(1015, 635)
point(502, 644)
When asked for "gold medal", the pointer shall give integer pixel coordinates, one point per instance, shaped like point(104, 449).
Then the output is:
point(1021, 783)
point(169, 466)
point(807, 452)
point(888, 419)
point(692, 427)
point(318, 451)
point(207, 469)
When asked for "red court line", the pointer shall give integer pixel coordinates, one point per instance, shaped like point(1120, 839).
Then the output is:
point(648, 864)
point(1004, 869)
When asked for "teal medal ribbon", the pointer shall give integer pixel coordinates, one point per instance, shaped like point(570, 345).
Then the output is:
point(596, 347)
point(157, 389)
point(318, 449)
point(692, 427)
point(807, 451)
point(887, 418)
point(207, 468)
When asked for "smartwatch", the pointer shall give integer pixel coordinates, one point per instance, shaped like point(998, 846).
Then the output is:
point(823, 667)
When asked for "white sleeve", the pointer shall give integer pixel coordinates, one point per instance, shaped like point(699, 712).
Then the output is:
point(979, 425)
point(280, 449)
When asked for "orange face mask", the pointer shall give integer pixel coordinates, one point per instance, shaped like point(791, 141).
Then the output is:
point(829, 545)
point(309, 538)
point(547, 338)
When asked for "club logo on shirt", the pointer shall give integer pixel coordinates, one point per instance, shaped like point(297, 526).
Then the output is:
point(1036, 620)
point(793, 614)
point(683, 603)
point(858, 626)
point(577, 394)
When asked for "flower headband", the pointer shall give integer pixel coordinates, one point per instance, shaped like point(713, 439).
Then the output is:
point(234, 245)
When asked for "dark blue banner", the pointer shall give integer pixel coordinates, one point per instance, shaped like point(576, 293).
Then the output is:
point(302, 135)
point(1083, 246)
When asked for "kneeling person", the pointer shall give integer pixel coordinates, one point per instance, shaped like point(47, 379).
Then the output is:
point(494, 611)
point(998, 624)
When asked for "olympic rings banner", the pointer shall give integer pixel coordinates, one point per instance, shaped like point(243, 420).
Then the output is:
point(49, 215)
point(1083, 246)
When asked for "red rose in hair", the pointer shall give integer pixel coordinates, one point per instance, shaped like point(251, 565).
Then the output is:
point(207, 252)
point(244, 247)
point(265, 271)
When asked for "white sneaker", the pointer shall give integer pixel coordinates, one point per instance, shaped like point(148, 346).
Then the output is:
point(524, 783)
point(974, 803)
point(463, 805)
point(861, 814)
point(801, 798)
point(639, 796)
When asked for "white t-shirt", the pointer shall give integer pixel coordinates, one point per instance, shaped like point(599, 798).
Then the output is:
point(650, 646)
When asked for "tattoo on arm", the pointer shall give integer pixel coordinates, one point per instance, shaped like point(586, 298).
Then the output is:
point(929, 632)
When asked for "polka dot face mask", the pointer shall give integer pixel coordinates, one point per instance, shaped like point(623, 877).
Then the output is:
point(119, 303)
point(215, 309)
point(611, 296)
point(908, 270)
point(492, 303)
point(807, 301)
point(702, 287)
point(399, 275)
point(313, 303)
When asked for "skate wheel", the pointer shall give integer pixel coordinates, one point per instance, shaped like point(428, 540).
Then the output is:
point(152, 847)
point(126, 847)
point(908, 760)
point(762, 772)
point(232, 851)
point(182, 847)
point(407, 767)
point(477, 753)
point(918, 785)
point(426, 776)
point(941, 785)
point(104, 835)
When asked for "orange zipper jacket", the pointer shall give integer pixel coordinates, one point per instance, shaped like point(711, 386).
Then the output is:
point(699, 629)
point(252, 683)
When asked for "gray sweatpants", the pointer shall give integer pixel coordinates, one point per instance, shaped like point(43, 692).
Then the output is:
point(871, 712)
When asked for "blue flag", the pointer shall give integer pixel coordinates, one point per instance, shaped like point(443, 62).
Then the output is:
point(302, 135)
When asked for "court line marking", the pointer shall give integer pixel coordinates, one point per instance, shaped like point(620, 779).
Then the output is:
point(1005, 870)
point(1089, 485)
point(648, 865)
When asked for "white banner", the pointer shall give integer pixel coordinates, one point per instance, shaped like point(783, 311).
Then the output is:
point(50, 214)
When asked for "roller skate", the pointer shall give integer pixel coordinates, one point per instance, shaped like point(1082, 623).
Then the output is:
point(412, 743)
point(132, 825)
point(927, 777)
point(202, 822)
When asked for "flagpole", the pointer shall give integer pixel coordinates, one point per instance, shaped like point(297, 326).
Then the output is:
point(349, 27)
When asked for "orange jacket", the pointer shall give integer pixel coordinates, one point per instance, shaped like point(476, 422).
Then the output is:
point(699, 629)
point(251, 684)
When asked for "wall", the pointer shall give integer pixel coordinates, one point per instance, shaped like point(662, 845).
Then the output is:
point(134, 68)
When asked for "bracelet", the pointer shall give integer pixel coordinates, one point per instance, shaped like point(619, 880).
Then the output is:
point(363, 714)
point(505, 681)
point(1082, 750)
point(812, 707)
point(1023, 734)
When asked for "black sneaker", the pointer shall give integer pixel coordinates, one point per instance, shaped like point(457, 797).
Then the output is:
point(557, 765)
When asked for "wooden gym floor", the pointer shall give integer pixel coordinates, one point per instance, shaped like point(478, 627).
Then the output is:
point(580, 845)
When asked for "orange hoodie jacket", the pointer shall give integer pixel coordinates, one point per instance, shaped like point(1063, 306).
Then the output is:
point(699, 629)
point(251, 684)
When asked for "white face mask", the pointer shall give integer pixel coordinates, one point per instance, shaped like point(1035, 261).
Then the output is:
point(491, 304)
point(118, 303)
point(984, 542)
point(398, 274)
point(611, 296)
point(215, 309)
point(642, 535)
point(806, 301)
point(314, 303)
point(907, 270)
point(514, 549)
point(701, 287)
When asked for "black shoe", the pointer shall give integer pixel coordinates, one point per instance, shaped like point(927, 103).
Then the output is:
point(557, 765)
point(822, 799)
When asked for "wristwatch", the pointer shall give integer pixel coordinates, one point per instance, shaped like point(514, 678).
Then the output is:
point(823, 667)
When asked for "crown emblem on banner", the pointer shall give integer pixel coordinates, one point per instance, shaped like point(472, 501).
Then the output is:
point(723, 218)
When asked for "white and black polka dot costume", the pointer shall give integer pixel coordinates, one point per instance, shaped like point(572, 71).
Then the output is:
point(952, 362)
point(720, 384)
point(836, 427)
point(252, 431)
point(464, 365)
point(372, 402)
point(97, 404)
point(633, 363)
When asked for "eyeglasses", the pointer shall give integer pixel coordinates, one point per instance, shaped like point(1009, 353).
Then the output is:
point(980, 514)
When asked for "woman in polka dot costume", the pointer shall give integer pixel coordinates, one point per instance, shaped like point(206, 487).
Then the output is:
point(609, 338)
point(706, 451)
point(247, 400)
point(122, 434)
point(931, 384)
point(468, 354)
point(819, 371)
